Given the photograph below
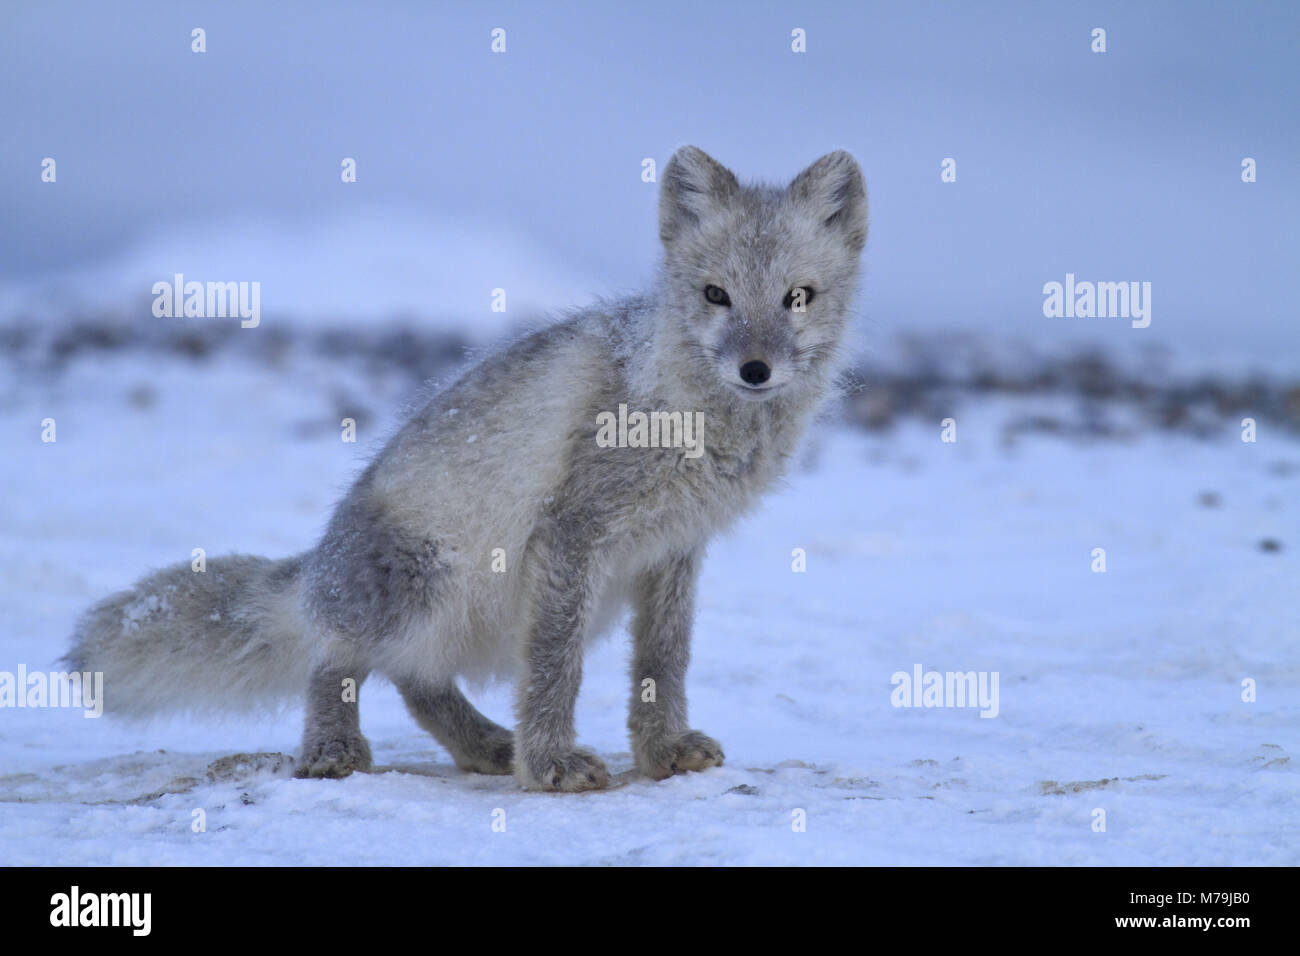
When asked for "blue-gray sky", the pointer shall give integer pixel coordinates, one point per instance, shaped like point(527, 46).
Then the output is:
point(1117, 166)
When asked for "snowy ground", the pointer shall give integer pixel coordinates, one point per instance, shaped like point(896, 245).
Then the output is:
point(1120, 691)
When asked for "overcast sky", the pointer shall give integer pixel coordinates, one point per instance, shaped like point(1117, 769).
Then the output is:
point(480, 169)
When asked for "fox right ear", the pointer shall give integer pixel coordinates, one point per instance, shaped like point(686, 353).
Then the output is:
point(693, 184)
point(834, 190)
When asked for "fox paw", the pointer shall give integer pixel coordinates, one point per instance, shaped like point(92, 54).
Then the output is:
point(666, 756)
point(571, 772)
point(334, 758)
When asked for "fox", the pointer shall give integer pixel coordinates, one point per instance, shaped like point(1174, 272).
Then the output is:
point(494, 537)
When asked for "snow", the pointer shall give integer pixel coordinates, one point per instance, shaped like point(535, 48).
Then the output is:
point(1119, 691)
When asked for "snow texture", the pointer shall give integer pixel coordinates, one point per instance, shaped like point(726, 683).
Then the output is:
point(1119, 691)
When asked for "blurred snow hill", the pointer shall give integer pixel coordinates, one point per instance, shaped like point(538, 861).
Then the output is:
point(336, 269)
point(1074, 390)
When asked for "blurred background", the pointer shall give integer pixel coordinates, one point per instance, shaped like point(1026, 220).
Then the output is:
point(522, 170)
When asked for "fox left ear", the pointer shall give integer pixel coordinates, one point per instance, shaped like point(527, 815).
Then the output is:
point(833, 187)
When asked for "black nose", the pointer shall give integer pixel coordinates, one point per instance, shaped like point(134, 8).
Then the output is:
point(755, 372)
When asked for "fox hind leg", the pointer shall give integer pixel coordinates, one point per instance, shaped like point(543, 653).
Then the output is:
point(332, 743)
point(476, 743)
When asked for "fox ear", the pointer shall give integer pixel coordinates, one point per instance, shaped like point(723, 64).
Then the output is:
point(833, 188)
point(693, 184)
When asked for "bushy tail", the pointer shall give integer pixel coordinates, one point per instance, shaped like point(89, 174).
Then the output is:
point(227, 638)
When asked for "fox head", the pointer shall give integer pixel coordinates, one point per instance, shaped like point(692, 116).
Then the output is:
point(758, 281)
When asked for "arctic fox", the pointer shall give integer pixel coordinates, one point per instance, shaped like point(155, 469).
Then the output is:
point(495, 535)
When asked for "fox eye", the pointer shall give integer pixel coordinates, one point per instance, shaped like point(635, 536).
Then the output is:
point(792, 297)
point(716, 296)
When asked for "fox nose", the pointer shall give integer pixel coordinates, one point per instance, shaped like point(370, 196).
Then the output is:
point(755, 372)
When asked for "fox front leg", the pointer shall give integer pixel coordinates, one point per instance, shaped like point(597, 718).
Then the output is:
point(662, 741)
point(560, 566)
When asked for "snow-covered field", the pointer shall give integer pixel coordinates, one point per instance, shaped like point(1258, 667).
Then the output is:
point(1120, 691)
